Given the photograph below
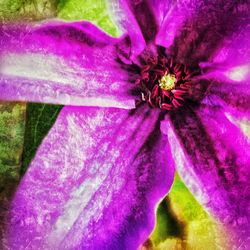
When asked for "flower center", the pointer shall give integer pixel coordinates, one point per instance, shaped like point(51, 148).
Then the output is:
point(167, 82)
point(164, 84)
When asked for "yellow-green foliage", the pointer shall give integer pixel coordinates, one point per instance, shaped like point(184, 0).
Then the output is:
point(92, 10)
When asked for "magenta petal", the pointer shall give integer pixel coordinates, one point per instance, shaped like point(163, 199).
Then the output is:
point(171, 17)
point(126, 21)
point(229, 74)
point(231, 97)
point(235, 50)
point(145, 17)
point(213, 158)
point(66, 63)
point(134, 16)
point(231, 63)
point(204, 26)
point(94, 182)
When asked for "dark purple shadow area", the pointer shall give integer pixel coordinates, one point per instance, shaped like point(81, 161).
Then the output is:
point(202, 34)
point(145, 18)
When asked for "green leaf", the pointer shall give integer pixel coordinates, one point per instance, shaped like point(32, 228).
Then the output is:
point(91, 10)
point(12, 123)
point(39, 119)
point(182, 223)
point(27, 10)
point(167, 224)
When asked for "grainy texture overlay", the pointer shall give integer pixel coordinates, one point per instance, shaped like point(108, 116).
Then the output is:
point(124, 124)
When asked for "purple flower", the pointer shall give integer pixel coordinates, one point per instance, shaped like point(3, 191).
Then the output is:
point(169, 93)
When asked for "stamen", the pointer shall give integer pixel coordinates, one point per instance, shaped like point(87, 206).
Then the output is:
point(164, 83)
point(167, 82)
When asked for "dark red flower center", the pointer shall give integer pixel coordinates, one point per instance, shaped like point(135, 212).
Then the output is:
point(165, 84)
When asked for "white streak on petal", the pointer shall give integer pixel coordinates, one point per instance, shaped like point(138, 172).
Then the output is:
point(243, 124)
point(37, 66)
point(239, 73)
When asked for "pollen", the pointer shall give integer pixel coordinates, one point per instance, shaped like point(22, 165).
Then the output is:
point(167, 82)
